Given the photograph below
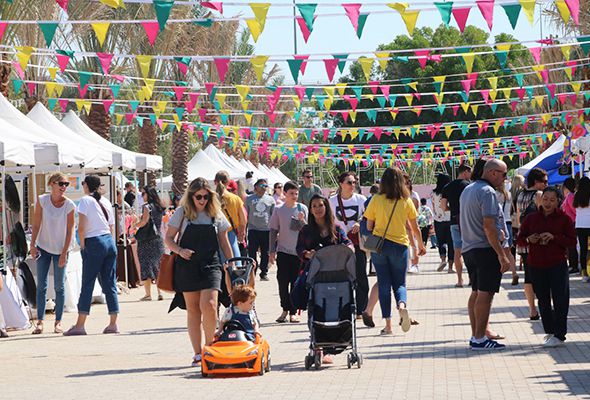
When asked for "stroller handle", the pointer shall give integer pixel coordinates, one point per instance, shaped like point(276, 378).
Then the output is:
point(247, 260)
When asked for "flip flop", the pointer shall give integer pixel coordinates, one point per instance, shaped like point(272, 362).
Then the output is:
point(385, 332)
point(73, 331)
point(281, 320)
point(111, 329)
point(406, 321)
point(294, 320)
point(38, 330)
point(57, 329)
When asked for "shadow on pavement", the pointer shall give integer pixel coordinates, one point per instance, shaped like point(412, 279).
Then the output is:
point(107, 372)
point(576, 381)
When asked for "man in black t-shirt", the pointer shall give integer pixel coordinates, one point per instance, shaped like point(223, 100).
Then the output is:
point(130, 195)
point(450, 201)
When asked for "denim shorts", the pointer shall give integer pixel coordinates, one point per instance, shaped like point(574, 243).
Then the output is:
point(456, 236)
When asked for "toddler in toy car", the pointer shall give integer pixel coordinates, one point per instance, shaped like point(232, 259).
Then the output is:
point(242, 311)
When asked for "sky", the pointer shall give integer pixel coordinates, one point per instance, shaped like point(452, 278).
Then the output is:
point(335, 34)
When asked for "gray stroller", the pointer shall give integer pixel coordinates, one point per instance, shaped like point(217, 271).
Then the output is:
point(332, 307)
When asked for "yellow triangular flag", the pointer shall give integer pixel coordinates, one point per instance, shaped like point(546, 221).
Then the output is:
point(504, 46)
point(177, 122)
point(255, 28)
point(538, 69)
point(50, 87)
point(506, 92)
point(474, 108)
point(79, 104)
point(100, 30)
point(409, 98)
point(465, 107)
point(399, 7)
point(141, 95)
point(59, 88)
point(497, 126)
point(576, 86)
point(341, 88)
point(352, 115)
point(367, 66)
point(354, 132)
point(564, 11)
point(144, 64)
point(329, 91)
point(439, 97)
point(292, 134)
point(566, 51)
point(52, 72)
point(448, 131)
point(493, 94)
point(383, 59)
point(260, 10)
point(468, 58)
point(441, 80)
point(569, 72)
point(245, 104)
point(248, 117)
point(539, 100)
point(258, 63)
point(296, 101)
point(528, 6)
point(148, 89)
point(410, 18)
point(23, 53)
point(413, 85)
point(328, 103)
point(243, 91)
point(113, 3)
point(220, 97)
point(546, 118)
point(493, 80)
point(396, 132)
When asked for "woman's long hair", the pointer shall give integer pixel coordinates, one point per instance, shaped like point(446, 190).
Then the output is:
point(221, 181)
point(516, 186)
point(190, 210)
point(582, 196)
point(93, 184)
point(441, 181)
point(328, 218)
point(393, 185)
point(153, 198)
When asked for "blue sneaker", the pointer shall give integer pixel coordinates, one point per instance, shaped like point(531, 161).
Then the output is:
point(488, 344)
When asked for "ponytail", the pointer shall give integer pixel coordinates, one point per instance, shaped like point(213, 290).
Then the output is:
point(93, 184)
point(221, 181)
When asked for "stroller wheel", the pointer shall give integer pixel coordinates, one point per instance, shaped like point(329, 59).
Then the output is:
point(349, 360)
point(359, 360)
point(308, 362)
point(318, 359)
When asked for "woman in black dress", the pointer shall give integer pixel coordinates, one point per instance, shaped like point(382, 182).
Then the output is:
point(202, 230)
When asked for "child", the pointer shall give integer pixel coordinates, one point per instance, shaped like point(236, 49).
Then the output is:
point(548, 233)
point(241, 310)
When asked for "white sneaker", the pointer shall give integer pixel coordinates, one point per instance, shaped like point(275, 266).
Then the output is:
point(553, 342)
point(413, 270)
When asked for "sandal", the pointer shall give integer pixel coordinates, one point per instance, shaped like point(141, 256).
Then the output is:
point(3, 333)
point(38, 329)
point(196, 360)
point(385, 332)
point(405, 316)
point(146, 298)
point(293, 319)
point(368, 320)
point(111, 329)
point(160, 297)
point(535, 317)
point(282, 319)
point(57, 328)
point(73, 331)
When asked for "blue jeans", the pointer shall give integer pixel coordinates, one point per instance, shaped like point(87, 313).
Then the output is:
point(456, 235)
point(233, 243)
point(391, 266)
point(99, 260)
point(59, 277)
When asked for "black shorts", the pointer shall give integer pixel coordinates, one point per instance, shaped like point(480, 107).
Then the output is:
point(484, 267)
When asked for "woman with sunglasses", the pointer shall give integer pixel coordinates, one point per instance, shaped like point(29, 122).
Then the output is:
point(278, 194)
point(348, 208)
point(202, 229)
point(53, 228)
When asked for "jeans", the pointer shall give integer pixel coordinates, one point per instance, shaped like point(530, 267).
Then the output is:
point(456, 236)
point(288, 267)
point(99, 260)
point(552, 284)
point(362, 282)
point(59, 278)
point(259, 240)
point(443, 237)
point(391, 266)
point(233, 243)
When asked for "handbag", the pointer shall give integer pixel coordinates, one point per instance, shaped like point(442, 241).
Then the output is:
point(353, 237)
point(148, 231)
point(374, 243)
point(165, 280)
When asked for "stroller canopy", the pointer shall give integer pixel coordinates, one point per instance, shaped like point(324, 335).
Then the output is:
point(333, 260)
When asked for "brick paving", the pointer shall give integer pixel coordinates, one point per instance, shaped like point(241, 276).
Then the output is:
point(150, 358)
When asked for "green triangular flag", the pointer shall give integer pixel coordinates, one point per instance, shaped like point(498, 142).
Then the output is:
point(206, 23)
point(309, 92)
point(134, 104)
point(584, 42)
point(494, 106)
point(179, 112)
point(437, 86)
point(306, 11)
point(530, 91)
point(462, 50)
point(441, 108)
point(445, 11)
point(51, 103)
point(48, 29)
point(361, 24)
point(183, 60)
point(68, 53)
point(163, 8)
point(342, 62)
point(115, 89)
point(381, 100)
point(153, 118)
point(502, 56)
point(404, 59)
point(17, 84)
point(358, 92)
point(295, 67)
point(139, 121)
point(320, 98)
point(84, 78)
point(223, 118)
point(512, 11)
point(519, 78)
point(372, 115)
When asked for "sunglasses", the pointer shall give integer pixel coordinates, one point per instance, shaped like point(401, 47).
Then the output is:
point(263, 186)
point(200, 197)
point(278, 187)
point(308, 176)
point(63, 184)
point(504, 174)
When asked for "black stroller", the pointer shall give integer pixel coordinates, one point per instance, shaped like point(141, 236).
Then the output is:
point(242, 270)
point(332, 306)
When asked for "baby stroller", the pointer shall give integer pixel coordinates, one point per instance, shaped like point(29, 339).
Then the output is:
point(332, 307)
point(242, 270)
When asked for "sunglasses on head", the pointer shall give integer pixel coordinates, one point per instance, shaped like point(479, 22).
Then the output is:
point(62, 184)
point(200, 197)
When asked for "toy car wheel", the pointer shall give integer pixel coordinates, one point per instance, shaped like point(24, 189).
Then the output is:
point(308, 362)
point(268, 361)
point(318, 360)
point(262, 365)
point(349, 360)
point(204, 374)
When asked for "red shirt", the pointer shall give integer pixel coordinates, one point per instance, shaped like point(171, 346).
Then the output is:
point(555, 252)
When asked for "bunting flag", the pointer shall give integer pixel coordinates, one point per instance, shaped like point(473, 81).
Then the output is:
point(255, 28)
point(353, 12)
point(105, 60)
point(260, 11)
point(486, 7)
point(305, 31)
point(512, 12)
point(63, 4)
point(528, 6)
point(144, 61)
point(574, 7)
point(258, 64)
point(445, 10)
point(163, 8)
point(151, 30)
point(100, 30)
point(307, 13)
point(23, 53)
point(113, 3)
point(213, 5)
point(48, 29)
point(3, 26)
point(222, 65)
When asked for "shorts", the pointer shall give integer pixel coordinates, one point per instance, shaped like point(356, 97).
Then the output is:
point(483, 267)
point(456, 236)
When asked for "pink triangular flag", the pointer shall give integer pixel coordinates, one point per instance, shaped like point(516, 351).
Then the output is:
point(385, 91)
point(222, 65)
point(31, 88)
point(573, 99)
point(551, 87)
point(572, 64)
point(82, 90)
point(160, 123)
point(303, 64)
point(374, 86)
point(209, 87)
point(377, 132)
point(129, 117)
point(422, 57)
point(436, 58)
point(107, 105)
point(417, 95)
point(193, 97)
point(331, 65)
point(485, 94)
point(305, 32)
point(62, 61)
point(353, 12)
point(513, 105)
point(63, 103)
point(179, 91)
point(151, 30)
point(536, 53)
point(63, 4)
point(272, 116)
point(18, 69)
point(486, 7)
point(544, 75)
point(574, 7)
point(455, 109)
point(105, 60)
point(119, 78)
point(189, 106)
point(277, 93)
point(300, 90)
point(3, 26)
point(352, 100)
point(213, 5)
point(520, 92)
point(461, 14)
point(473, 76)
point(202, 114)
point(344, 115)
point(272, 103)
point(562, 97)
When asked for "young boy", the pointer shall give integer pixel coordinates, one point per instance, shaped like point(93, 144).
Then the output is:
point(241, 310)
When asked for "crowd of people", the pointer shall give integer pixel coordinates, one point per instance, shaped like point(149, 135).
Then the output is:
point(480, 218)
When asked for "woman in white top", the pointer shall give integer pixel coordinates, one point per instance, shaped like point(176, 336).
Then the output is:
point(582, 206)
point(99, 254)
point(53, 228)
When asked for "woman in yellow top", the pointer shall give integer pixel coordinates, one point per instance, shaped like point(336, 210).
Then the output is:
point(233, 208)
point(393, 202)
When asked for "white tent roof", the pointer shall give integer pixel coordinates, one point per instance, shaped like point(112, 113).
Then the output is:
point(49, 148)
point(13, 150)
point(96, 158)
point(72, 121)
point(280, 174)
point(235, 169)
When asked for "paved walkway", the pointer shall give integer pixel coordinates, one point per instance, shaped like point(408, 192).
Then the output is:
point(149, 358)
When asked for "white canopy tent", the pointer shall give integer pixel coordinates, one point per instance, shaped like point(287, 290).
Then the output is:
point(50, 151)
point(72, 121)
point(97, 158)
point(231, 165)
point(280, 174)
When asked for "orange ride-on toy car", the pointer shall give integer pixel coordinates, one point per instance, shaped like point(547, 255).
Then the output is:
point(233, 353)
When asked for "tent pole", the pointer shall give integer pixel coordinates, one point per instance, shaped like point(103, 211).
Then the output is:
point(135, 203)
point(162, 182)
point(124, 233)
point(4, 222)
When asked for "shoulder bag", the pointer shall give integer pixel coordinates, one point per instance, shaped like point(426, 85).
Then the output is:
point(353, 237)
point(165, 280)
point(148, 231)
point(374, 243)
